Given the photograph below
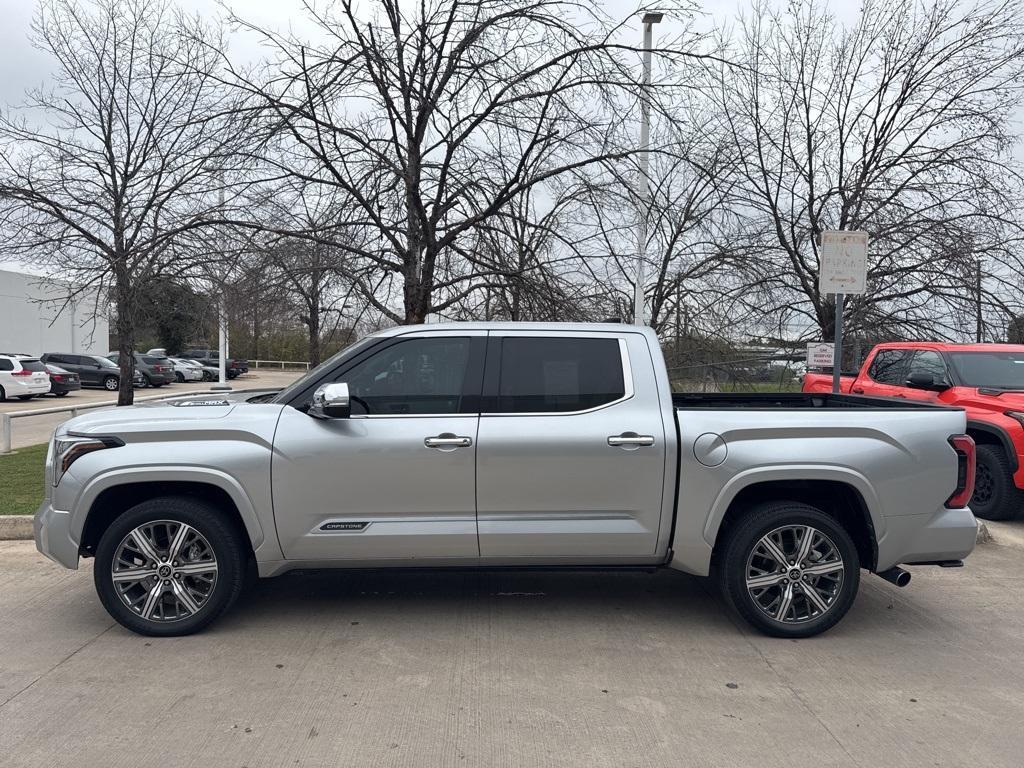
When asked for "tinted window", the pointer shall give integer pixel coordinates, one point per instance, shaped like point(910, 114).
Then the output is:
point(930, 363)
point(999, 370)
point(889, 365)
point(414, 376)
point(33, 365)
point(103, 362)
point(550, 375)
point(155, 360)
point(6, 365)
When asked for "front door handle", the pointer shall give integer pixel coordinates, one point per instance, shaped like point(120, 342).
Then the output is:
point(447, 440)
point(630, 440)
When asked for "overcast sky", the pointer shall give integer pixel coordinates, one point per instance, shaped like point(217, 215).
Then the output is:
point(21, 66)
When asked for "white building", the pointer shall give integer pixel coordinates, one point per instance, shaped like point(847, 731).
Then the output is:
point(34, 318)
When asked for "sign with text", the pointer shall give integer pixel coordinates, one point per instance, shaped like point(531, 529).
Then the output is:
point(844, 262)
point(820, 355)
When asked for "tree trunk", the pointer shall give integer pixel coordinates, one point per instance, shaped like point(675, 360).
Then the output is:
point(313, 324)
point(125, 337)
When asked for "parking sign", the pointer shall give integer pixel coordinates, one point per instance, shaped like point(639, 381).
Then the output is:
point(844, 262)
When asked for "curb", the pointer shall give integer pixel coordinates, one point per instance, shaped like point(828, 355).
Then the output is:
point(15, 527)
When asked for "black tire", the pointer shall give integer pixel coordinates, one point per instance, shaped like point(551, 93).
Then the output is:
point(995, 496)
point(145, 383)
point(225, 541)
point(742, 539)
point(179, 377)
point(111, 383)
point(3, 395)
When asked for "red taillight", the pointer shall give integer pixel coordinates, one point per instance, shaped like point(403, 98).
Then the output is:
point(965, 467)
point(22, 372)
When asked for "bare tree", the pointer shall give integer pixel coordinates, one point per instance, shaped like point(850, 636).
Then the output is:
point(104, 176)
point(436, 116)
point(899, 125)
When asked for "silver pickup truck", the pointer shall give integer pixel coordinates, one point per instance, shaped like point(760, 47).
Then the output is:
point(552, 445)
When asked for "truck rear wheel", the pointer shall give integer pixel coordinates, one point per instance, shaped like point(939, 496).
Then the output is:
point(789, 569)
point(995, 495)
point(169, 566)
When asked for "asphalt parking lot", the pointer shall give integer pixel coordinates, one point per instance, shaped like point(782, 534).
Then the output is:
point(515, 669)
point(37, 429)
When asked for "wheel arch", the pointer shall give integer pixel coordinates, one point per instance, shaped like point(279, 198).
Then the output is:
point(984, 433)
point(842, 494)
point(838, 500)
point(110, 496)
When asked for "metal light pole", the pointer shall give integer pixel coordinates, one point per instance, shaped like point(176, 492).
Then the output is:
point(222, 320)
point(643, 192)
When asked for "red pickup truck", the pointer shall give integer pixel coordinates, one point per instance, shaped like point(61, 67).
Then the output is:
point(986, 380)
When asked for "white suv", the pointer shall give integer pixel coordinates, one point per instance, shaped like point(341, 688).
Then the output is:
point(22, 376)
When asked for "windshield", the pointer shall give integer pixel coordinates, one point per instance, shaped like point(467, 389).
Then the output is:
point(104, 362)
point(286, 393)
point(998, 370)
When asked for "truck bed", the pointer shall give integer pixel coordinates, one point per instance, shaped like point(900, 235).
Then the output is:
point(791, 401)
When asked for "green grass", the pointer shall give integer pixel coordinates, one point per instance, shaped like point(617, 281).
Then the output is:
point(21, 480)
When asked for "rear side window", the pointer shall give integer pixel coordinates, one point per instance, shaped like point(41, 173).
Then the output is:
point(33, 365)
point(558, 375)
point(889, 366)
point(6, 364)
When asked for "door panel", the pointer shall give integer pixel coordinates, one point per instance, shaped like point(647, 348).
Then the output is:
point(888, 373)
point(549, 484)
point(378, 489)
point(397, 479)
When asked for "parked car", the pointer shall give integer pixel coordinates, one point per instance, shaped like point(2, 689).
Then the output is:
point(186, 370)
point(986, 380)
point(233, 367)
point(62, 381)
point(156, 371)
point(477, 444)
point(22, 376)
point(92, 370)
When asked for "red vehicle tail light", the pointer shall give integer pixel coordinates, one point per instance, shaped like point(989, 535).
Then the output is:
point(965, 468)
point(24, 372)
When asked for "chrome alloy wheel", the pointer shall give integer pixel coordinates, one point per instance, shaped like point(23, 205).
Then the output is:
point(164, 570)
point(794, 574)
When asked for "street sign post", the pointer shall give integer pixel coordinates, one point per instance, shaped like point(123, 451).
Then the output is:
point(842, 269)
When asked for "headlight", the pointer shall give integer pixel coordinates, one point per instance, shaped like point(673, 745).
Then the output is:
point(67, 449)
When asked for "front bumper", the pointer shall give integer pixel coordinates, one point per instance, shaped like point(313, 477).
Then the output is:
point(946, 534)
point(52, 529)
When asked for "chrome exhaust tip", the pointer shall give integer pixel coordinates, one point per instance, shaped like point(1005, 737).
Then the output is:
point(895, 575)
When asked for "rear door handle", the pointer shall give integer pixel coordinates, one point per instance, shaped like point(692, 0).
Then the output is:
point(630, 440)
point(447, 440)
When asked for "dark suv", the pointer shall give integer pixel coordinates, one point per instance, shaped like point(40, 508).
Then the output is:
point(233, 366)
point(92, 370)
point(156, 371)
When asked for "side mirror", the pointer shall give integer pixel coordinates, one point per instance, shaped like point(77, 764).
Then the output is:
point(331, 401)
point(922, 380)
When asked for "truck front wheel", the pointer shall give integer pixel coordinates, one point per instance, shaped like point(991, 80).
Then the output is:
point(169, 566)
point(789, 569)
point(995, 496)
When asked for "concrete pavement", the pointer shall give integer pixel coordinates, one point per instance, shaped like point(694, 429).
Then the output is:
point(32, 430)
point(514, 669)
